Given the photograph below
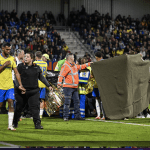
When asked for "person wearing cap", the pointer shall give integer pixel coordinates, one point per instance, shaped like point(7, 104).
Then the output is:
point(45, 57)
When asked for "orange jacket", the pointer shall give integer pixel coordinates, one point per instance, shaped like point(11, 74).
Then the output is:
point(69, 73)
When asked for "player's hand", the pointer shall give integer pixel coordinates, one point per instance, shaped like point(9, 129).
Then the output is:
point(91, 62)
point(7, 63)
point(51, 89)
point(91, 76)
point(23, 90)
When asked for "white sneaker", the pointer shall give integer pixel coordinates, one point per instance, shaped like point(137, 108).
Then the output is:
point(140, 116)
point(103, 118)
point(11, 128)
point(22, 117)
point(148, 116)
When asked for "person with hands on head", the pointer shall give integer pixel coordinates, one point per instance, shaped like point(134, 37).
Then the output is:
point(69, 72)
point(96, 93)
point(30, 73)
point(45, 57)
point(7, 63)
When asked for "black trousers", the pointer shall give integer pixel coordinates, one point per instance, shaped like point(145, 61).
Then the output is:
point(91, 103)
point(32, 98)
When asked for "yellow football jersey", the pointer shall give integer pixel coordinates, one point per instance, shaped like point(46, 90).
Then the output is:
point(6, 81)
point(43, 66)
point(120, 52)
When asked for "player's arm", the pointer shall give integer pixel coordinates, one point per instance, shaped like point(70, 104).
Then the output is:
point(81, 67)
point(19, 80)
point(63, 73)
point(44, 80)
point(4, 65)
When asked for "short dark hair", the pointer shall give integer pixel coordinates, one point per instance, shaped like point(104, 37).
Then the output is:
point(69, 54)
point(98, 54)
point(38, 54)
point(31, 55)
point(6, 44)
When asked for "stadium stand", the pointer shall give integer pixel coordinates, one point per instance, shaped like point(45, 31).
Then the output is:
point(31, 32)
point(112, 37)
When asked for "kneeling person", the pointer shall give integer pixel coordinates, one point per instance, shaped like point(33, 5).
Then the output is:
point(30, 73)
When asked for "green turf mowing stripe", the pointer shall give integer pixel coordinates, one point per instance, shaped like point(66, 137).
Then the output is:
point(2, 145)
point(57, 131)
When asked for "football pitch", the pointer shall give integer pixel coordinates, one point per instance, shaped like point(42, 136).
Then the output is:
point(90, 132)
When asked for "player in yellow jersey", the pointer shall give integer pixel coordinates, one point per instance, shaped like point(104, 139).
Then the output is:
point(43, 66)
point(7, 63)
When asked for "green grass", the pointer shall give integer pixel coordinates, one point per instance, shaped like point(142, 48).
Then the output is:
point(1, 145)
point(57, 132)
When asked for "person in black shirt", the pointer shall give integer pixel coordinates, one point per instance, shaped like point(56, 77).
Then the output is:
point(30, 73)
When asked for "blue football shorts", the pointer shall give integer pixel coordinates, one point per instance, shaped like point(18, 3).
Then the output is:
point(95, 92)
point(42, 93)
point(7, 94)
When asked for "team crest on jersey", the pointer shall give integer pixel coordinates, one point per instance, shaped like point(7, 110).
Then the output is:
point(84, 74)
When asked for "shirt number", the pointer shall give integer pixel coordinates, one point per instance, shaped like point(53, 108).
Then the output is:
point(43, 70)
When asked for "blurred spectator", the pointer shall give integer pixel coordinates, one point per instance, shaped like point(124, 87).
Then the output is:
point(65, 47)
point(143, 52)
point(7, 39)
point(42, 31)
point(119, 52)
point(27, 49)
point(23, 45)
point(12, 23)
point(13, 49)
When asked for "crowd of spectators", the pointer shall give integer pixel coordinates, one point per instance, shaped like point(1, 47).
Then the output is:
point(113, 37)
point(31, 32)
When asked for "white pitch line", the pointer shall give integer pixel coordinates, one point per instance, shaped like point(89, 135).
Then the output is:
point(119, 122)
point(8, 144)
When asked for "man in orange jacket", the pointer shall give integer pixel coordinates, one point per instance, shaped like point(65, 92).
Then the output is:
point(69, 72)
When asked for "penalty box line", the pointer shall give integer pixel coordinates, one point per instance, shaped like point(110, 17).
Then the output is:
point(118, 122)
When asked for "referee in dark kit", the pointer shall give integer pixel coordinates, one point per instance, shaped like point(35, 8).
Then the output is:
point(29, 73)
